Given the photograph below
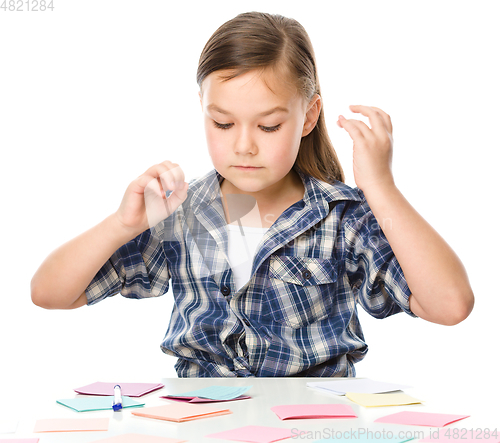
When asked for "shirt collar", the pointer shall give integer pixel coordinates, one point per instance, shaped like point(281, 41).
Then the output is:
point(318, 194)
point(205, 190)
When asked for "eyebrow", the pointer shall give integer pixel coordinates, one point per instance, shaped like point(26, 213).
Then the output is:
point(212, 107)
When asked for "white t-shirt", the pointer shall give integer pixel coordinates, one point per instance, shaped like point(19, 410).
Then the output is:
point(241, 251)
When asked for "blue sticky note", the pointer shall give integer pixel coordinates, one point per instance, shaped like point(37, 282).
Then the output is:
point(97, 403)
point(217, 392)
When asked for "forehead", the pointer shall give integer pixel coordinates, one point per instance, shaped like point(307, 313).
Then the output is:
point(254, 87)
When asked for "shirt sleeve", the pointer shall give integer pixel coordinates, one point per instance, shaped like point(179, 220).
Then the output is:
point(136, 270)
point(374, 272)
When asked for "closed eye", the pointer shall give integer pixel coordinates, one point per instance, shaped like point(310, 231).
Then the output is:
point(222, 125)
point(270, 128)
point(264, 128)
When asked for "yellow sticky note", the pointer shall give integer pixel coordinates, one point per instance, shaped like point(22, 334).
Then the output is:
point(376, 400)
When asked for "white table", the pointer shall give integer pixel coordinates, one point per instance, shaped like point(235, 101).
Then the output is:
point(265, 393)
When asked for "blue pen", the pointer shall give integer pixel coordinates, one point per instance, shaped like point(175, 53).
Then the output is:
point(117, 402)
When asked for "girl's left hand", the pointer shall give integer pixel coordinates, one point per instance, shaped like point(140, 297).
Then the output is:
point(372, 150)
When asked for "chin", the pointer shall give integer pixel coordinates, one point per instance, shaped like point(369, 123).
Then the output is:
point(249, 186)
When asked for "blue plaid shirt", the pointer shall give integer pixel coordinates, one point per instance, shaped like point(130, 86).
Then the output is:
point(297, 314)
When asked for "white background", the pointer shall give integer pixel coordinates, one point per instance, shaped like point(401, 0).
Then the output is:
point(95, 92)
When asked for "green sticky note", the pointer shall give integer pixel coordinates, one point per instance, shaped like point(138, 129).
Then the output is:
point(97, 403)
point(217, 392)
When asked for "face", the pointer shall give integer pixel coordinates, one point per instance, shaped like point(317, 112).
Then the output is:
point(253, 126)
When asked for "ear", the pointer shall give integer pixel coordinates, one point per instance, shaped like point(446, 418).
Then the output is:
point(312, 115)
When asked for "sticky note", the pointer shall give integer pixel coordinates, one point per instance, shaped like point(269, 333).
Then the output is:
point(214, 393)
point(71, 424)
point(370, 440)
point(421, 418)
point(181, 412)
point(254, 434)
point(128, 389)
point(376, 400)
point(285, 412)
point(202, 400)
point(359, 385)
point(97, 403)
point(138, 438)
point(19, 440)
point(472, 435)
point(8, 426)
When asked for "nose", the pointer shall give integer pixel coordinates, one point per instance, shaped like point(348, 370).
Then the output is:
point(244, 143)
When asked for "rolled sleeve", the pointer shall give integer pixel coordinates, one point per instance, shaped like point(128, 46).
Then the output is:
point(374, 272)
point(136, 270)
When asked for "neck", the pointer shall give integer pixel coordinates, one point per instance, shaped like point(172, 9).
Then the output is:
point(262, 208)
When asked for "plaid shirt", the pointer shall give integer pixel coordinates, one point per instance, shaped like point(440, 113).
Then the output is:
point(297, 314)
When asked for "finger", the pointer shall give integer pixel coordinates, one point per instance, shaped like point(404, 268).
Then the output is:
point(169, 175)
point(177, 197)
point(376, 121)
point(356, 129)
point(386, 118)
point(166, 175)
point(146, 179)
point(174, 175)
point(156, 207)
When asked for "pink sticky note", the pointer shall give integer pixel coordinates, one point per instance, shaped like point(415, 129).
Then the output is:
point(180, 412)
point(20, 440)
point(201, 400)
point(139, 438)
point(285, 412)
point(421, 418)
point(128, 389)
point(71, 424)
point(254, 434)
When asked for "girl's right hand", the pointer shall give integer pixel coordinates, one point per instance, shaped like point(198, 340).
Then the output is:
point(145, 204)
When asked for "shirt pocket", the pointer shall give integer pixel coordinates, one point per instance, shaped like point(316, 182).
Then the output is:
point(300, 289)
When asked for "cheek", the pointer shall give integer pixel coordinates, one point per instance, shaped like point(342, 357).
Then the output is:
point(213, 142)
point(216, 147)
point(288, 146)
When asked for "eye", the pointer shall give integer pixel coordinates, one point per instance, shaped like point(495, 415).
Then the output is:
point(222, 125)
point(270, 128)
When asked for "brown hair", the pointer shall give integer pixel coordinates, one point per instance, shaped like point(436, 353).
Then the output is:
point(256, 40)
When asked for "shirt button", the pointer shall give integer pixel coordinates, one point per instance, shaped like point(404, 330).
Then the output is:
point(246, 322)
point(306, 274)
point(226, 290)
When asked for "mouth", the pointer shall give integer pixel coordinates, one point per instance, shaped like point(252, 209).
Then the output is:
point(247, 168)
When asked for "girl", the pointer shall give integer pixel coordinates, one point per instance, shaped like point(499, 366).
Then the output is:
point(269, 253)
